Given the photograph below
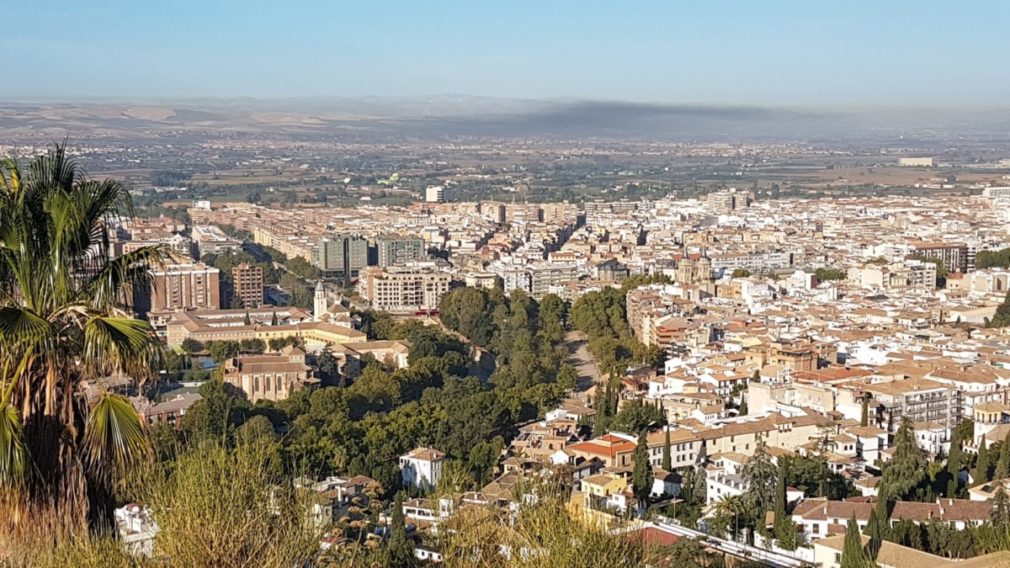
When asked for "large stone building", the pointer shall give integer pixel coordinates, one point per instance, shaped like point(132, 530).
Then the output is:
point(269, 377)
point(230, 325)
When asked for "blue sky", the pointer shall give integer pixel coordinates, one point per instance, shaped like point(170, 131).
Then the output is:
point(760, 52)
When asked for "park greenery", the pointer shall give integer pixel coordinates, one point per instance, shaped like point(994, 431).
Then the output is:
point(825, 274)
point(602, 317)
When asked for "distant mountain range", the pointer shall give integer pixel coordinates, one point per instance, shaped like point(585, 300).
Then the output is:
point(469, 116)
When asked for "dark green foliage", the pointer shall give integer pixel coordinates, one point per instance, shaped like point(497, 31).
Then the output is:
point(636, 280)
point(955, 461)
point(740, 273)
point(466, 311)
point(166, 178)
point(907, 533)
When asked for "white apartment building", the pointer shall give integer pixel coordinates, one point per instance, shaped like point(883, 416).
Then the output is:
point(404, 289)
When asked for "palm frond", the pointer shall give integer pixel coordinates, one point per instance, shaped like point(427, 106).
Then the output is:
point(13, 452)
point(20, 325)
point(132, 270)
point(119, 344)
point(114, 435)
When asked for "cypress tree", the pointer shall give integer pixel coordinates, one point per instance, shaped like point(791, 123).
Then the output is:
point(864, 419)
point(785, 531)
point(1003, 463)
point(399, 548)
point(667, 461)
point(882, 511)
point(641, 477)
point(274, 320)
point(983, 463)
point(853, 555)
point(907, 469)
point(873, 530)
point(246, 320)
point(1000, 509)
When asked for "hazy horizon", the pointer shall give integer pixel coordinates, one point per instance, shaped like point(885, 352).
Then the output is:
point(724, 53)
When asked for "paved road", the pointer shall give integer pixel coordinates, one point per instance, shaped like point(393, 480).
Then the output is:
point(579, 356)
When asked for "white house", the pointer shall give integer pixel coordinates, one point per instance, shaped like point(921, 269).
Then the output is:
point(421, 468)
point(932, 437)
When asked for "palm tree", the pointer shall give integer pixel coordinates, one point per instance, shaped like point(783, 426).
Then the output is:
point(63, 327)
point(731, 506)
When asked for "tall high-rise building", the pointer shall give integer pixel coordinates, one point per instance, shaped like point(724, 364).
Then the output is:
point(342, 256)
point(247, 284)
point(399, 250)
point(181, 287)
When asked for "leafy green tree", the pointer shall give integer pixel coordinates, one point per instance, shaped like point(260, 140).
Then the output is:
point(215, 416)
point(907, 470)
point(191, 346)
point(740, 273)
point(642, 478)
point(221, 351)
point(636, 415)
point(63, 323)
point(256, 430)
